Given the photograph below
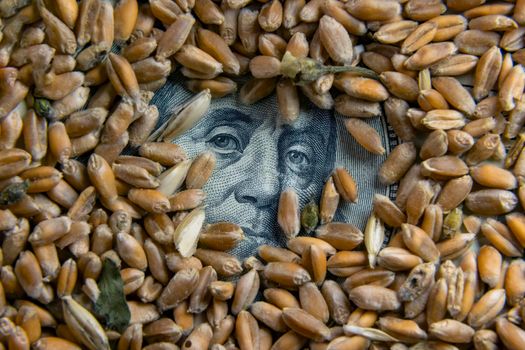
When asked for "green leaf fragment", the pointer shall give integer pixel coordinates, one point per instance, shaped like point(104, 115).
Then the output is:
point(44, 109)
point(310, 217)
point(452, 223)
point(111, 304)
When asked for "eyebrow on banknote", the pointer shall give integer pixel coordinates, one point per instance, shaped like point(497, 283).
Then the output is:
point(314, 136)
point(230, 116)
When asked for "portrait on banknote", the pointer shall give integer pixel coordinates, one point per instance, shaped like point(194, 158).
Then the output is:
point(258, 156)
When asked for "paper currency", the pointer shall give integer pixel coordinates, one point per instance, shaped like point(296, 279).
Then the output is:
point(257, 158)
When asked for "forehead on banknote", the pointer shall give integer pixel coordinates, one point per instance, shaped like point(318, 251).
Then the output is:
point(258, 157)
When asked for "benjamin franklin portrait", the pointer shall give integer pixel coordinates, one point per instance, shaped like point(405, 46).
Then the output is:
point(257, 157)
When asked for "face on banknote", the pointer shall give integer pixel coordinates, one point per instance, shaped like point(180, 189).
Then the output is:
point(257, 157)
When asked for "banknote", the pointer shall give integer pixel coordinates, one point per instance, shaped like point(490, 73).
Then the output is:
point(257, 157)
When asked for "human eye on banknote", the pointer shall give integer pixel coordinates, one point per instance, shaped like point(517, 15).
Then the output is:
point(304, 152)
point(225, 141)
point(298, 158)
point(297, 163)
point(227, 133)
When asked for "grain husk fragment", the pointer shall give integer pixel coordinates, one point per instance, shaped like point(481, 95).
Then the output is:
point(84, 325)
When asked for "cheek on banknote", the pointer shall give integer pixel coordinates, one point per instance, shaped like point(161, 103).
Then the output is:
point(257, 157)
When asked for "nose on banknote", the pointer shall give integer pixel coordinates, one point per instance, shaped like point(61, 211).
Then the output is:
point(258, 157)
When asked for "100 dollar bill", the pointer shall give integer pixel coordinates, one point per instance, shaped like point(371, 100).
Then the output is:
point(258, 157)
